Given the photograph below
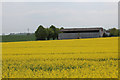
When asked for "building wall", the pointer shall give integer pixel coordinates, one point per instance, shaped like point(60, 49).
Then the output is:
point(101, 32)
point(78, 35)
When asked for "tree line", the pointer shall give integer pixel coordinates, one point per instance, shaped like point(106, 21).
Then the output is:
point(52, 33)
point(47, 33)
point(114, 32)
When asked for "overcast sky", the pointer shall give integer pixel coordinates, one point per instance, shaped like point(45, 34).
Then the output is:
point(19, 16)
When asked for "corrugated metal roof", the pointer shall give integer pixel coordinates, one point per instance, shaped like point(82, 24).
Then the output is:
point(80, 29)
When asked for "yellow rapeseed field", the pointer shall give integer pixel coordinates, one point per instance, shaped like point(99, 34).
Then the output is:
point(75, 58)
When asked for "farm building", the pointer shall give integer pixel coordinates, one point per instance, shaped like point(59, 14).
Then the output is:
point(76, 33)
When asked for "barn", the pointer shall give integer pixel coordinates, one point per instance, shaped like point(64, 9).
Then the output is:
point(77, 33)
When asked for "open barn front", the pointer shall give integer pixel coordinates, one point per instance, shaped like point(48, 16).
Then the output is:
point(77, 33)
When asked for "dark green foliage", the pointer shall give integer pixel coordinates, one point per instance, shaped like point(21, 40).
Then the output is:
point(41, 33)
point(114, 32)
point(56, 32)
point(61, 28)
point(50, 33)
point(14, 38)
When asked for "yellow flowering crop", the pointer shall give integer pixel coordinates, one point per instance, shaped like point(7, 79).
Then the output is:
point(75, 58)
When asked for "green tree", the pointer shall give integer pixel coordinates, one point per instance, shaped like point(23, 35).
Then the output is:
point(41, 33)
point(50, 33)
point(61, 28)
point(56, 32)
point(114, 32)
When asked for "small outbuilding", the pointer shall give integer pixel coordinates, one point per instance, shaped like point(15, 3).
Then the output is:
point(77, 33)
